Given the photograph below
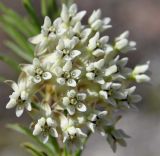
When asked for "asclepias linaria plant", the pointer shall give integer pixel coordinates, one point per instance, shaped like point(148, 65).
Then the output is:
point(78, 82)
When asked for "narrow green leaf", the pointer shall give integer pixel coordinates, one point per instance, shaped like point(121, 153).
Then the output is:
point(53, 9)
point(10, 62)
point(44, 10)
point(54, 144)
point(18, 51)
point(18, 38)
point(31, 12)
point(35, 151)
point(49, 8)
point(19, 20)
point(27, 132)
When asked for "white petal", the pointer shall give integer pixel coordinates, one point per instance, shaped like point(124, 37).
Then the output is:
point(100, 80)
point(42, 121)
point(142, 78)
point(36, 39)
point(75, 73)
point(98, 52)
point(12, 103)
point(104, 40)
point(28, 106)
point(123, 35)
point(141, 68)
point(50, 122)
point(19, 110)
point(103, 94)
point(72, 130)
point(107, 86)
point(77, 28)
point(63, 122)
point(97, 25)
point(116, 85)
point(81, 96)
point(111, 70)
point(75, 53)
point(73, 9)
point(65, 137)
point(121, 44)
point(90, 76)
point(102, 114)
point(71, 83)
point(24, 95)
point(37, 130)
point(46, 75)
point(135, 98)
point(94, 16)
point(61, 81)
point(78, 17)
point(47, 22)
point(68, 66)
point(85, 34)
point(65, 13)
point(81, 107)
point(58, 71)
point(131, 90)
point(45, 138)
point(71, 93)
point(36, 62)
point(54, 132)
point(71, 110)
point(99, 64)
point(46, 108)
point(37, 79)
point(80, 133)
point(13, 85)
point(66, 101)
point(93, 41)
point(90, 67)
point(60, 45)
point(27, 68)
point(112, 102)
point(91, 126)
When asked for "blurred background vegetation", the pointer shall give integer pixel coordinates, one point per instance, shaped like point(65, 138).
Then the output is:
point(141, 17)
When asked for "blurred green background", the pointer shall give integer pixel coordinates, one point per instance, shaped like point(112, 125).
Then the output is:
point(141, 17)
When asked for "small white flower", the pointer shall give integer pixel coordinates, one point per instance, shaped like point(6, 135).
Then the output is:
point(98, 45)
point(69, 131)
point(44, 128)
point(65, 49)
point(96, 71)
point(70, 15)
point(98, 24)
point(138, 73)
point(123, 44)
point(37, 71)
point(97, 120)
point(109, 91)
point(49, 33)
point(122, 70)
point(127, 98)
point(66, 75)
point(20, 97)
point(74, 101)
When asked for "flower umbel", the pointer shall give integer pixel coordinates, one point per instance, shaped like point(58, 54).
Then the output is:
point(78, 80)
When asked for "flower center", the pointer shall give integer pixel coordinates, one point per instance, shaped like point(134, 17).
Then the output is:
point(38, 71)
point(66, 52)
point(73, 101)
point(67, 75)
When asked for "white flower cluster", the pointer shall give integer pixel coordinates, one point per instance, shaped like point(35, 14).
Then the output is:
point(78, 80)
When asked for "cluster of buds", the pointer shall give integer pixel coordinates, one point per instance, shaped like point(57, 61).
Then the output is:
point(78, 81)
